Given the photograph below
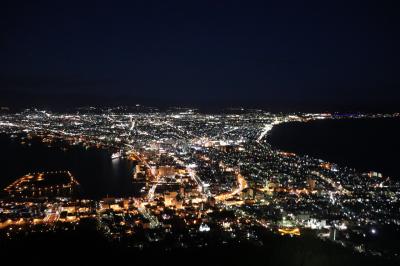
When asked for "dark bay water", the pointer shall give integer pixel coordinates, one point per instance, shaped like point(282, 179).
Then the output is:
point(98, 175)
point(364, 144)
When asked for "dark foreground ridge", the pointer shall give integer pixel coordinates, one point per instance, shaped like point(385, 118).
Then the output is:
point(85, 246)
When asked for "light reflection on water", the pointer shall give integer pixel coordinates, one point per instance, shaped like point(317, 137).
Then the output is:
point(98, 175)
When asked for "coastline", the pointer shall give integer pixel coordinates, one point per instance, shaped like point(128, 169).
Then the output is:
point(326, 145)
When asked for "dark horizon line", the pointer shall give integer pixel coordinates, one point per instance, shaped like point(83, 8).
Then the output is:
point(208, 109)
point(63, 101)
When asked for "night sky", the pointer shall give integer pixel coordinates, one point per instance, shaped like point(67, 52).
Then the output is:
point(271, 54)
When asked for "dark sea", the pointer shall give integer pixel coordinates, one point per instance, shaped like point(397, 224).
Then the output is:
point(363, 144)
point(98, 175)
